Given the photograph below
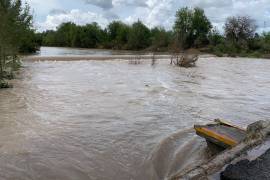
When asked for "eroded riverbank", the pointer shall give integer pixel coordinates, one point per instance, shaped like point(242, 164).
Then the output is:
point(98, 120)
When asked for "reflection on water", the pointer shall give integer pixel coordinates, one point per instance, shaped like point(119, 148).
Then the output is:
point(114, 120)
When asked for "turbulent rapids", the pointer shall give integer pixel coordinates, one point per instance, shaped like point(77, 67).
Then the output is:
point(103, 119)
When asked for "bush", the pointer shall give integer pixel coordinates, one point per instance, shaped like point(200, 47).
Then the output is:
point(255, 54)
point(8, 75)
point(4, 84)
point(218, 53)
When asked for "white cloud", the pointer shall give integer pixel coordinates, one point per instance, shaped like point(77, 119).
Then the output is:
point(134, 3)
point(157, 13)
point(105, 4)
point(43, 7)
point(211, 3)
point(217, 11)
point(76, 16)
point(151, 12)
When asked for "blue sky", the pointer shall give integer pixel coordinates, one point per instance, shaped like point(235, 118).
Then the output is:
point(50, 13)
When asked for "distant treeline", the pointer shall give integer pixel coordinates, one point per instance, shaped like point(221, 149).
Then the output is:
point(192, 29)
point(116, 35)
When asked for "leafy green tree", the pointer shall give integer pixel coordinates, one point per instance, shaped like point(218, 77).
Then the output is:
point(29, 42)
point(183, 27)
point(91, 35)
point(66, 34)
point(160, 38)
point(16, 24)
point(191, 27)
point(139, 36)
point(265, 42)
point(201, 26)
point(49, 38)
point(215, 37)
point(118, 33)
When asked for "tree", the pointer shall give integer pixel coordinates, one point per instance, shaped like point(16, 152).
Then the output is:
point(201, 27)
point(183, 27)
point(66, 34)
point(239, 30)
point(215, 37)
point(49, 38)
point(91, 35)
point(160, 38)
point(16, 22)
point(139, 36)
point(118, 34)
point(265, 42)
point(191, 27)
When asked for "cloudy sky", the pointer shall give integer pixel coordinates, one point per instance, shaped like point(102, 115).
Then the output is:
point(50, 13)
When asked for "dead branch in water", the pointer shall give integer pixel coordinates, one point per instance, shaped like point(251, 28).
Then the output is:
point(184, 59)
point(136, 60)
point(154, 60)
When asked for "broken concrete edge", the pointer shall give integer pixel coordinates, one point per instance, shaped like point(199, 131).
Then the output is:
point(256, 134)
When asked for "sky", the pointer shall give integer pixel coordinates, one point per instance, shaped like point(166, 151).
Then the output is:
point(48, 14)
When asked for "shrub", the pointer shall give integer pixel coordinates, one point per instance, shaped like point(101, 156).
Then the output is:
point(5, 84)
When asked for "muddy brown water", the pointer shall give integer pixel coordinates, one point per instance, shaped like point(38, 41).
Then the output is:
point(115, 120)
point(65, 51)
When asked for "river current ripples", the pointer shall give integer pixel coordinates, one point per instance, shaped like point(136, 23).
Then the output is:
point(115, 120)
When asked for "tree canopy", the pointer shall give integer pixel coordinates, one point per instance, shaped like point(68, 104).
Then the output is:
point(139, 36)
point(117, 35)
point(239, 30)
point(16, 33)
point(191, 27)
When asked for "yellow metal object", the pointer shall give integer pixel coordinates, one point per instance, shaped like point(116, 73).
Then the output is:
point(222, 138)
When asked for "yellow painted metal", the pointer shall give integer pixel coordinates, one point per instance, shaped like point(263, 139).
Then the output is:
point(222, 138)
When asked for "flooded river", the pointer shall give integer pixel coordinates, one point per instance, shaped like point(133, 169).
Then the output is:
point(115, 120)
point(62, 51)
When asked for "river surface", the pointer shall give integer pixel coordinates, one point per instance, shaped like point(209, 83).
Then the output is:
point(115, 120)
point(65, 51)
